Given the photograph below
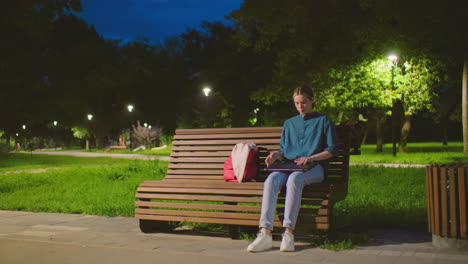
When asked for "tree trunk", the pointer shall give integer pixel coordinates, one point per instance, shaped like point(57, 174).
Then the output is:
point(405, 130)
point(380, 123)
point(8, 138)
point(443, 130)
point(465, 106)
point(340, 117)
point(364, 137)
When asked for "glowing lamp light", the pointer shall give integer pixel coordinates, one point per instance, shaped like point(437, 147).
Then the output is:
point(90, 117)
point(206, 91)
point(392, 57)
point(55, 123)
point(130, 108)
point(24, 126)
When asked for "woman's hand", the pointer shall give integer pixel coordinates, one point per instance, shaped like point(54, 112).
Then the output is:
point(274, 156)
point(302, 160)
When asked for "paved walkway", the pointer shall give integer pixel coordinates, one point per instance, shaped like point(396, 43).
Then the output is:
point(27, 237)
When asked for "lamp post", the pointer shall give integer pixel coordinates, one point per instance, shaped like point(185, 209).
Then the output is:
point(90, 117)
point(206, 92)
point(55, 134)
point(393, 58)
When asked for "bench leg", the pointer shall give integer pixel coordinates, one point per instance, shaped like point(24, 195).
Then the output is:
point(152, 226)
point(235, 231)
point(331, 232)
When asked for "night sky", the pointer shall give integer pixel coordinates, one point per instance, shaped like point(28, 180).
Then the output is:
point(152, 19)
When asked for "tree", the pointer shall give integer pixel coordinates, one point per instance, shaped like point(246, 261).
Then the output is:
point(81, 133)
point(369, 85)
point(23, 55)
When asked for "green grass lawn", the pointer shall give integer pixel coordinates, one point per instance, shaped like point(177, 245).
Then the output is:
point(97, 186)
point(418, 153)
point(384, 198)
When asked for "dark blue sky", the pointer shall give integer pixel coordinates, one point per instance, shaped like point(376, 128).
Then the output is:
point(152, 19)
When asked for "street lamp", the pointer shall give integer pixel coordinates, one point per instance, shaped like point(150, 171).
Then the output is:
point(55, 134)
point(207, 91)
point(393, 58)
point(90, 117)
point(130, 108)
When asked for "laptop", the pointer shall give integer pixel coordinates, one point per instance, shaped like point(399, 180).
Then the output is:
point(289, 165)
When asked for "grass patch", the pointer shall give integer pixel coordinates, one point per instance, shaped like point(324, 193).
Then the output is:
point(381, 197)
point(418, 153)
point(96, 186)
point(25, 161)
point(337, 245)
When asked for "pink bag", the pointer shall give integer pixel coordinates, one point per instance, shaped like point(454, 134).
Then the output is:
point(250, 168)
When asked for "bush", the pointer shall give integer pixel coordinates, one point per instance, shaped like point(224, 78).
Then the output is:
point(144, 136)
point(4, 148)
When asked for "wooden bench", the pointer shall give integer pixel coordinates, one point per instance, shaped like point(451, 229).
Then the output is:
point(194, 191)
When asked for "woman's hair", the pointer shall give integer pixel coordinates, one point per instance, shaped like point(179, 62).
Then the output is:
point(305, 91)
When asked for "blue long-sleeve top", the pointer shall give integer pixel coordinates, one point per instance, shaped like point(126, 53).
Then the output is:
point(303, 136)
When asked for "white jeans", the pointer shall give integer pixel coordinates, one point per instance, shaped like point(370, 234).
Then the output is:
point(295, 182)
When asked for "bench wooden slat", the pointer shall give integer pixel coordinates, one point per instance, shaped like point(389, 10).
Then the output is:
point(240, 130)
point(229, 215)
point(202, 172)
point(230, 142)
point(194, 177)
point(210, 220)
point(201, 154)
point(206, 198)
point(200, 190)
point(233, 136)
point(219, 148)
point(224, 207)
point(201, 184)
point(196, 166)
point(199, 160)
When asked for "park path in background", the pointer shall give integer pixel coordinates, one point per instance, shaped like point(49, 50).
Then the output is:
point(78, 153)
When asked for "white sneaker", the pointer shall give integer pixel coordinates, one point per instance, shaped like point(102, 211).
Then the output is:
point(287, 243)
point(262, 242)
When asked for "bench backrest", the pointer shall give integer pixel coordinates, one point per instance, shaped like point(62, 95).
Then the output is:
point(200, 153)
